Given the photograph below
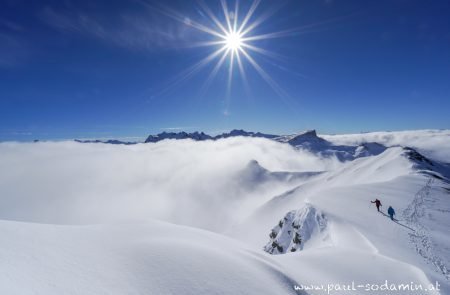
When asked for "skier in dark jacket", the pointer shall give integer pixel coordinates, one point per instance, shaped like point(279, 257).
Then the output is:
point(377, 203)
point(391, 212)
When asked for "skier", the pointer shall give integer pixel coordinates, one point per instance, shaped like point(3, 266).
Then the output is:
point(377, 203)
point(391, 212)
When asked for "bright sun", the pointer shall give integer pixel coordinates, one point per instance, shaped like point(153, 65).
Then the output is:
point(233, 41)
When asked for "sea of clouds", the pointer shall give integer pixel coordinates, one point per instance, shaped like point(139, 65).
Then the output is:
point(182, 181)
point(432, 143)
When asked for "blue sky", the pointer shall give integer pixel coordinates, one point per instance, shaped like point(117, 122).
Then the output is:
point(114, 69)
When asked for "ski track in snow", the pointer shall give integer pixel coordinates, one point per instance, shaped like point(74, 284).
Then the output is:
point(420, 237)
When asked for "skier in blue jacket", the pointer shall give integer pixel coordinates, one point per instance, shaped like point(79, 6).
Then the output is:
point(391, 212)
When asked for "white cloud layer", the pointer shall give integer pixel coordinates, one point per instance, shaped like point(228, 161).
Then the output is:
point(432, 143)
point(186, 182)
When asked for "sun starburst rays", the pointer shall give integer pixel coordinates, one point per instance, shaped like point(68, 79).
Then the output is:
point(231, 35)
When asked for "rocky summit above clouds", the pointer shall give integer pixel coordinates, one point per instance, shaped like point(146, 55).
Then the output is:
point(308, 140)
point(199, 136)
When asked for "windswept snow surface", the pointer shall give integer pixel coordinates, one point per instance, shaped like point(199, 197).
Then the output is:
point(150, 258)
point(80, 218)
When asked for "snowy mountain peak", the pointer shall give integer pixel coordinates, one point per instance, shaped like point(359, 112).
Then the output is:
point(255, 173)
point(369, 149)
point(238, 132)
point(254, 165)
point(310, 137)
point(311, 133)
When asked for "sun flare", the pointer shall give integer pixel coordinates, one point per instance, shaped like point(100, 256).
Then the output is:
point(233, 41)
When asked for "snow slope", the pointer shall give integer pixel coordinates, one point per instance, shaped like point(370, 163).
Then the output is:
point(150, 258)
point(354, 228)
point(100, 202)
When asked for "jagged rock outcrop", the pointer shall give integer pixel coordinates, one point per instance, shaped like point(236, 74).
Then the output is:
point(295, 229)
point(427, 166)
point(240, 132)
point(198, 136)
point(309, 138)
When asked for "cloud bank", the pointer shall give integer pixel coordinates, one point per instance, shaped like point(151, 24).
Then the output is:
point(186, 182)
point(432, 143)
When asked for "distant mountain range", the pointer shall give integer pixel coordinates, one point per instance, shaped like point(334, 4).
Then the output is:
point(308, 140)
point(111, 141)
point(197, 136)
